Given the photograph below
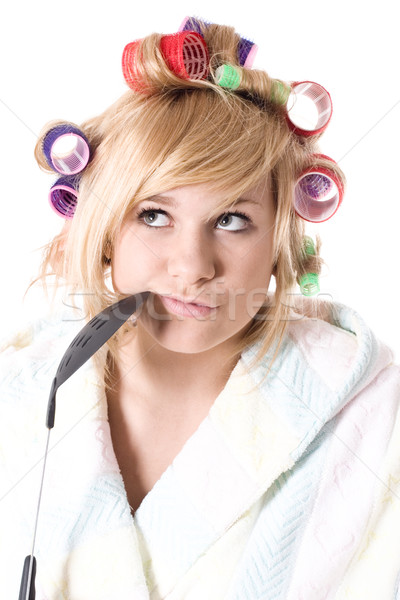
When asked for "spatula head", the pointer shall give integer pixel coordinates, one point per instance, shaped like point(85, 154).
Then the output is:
point(90, 339)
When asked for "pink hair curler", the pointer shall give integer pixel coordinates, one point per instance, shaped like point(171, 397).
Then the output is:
point(318, 194)
point(185, 54)
point(66, 149)
point(311, 108)
point(63, 196)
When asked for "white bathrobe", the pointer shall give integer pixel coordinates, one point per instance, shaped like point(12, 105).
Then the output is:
point(288, 490)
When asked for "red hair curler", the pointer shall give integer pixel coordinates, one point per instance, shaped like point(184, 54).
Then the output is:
point(185, 54)
point(311, 108)
point(129, 66)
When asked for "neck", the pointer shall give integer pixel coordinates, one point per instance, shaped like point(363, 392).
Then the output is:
point(145, 370)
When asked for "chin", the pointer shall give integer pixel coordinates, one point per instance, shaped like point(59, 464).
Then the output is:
point(189, 336)
point(175, 337)
point(184, 347)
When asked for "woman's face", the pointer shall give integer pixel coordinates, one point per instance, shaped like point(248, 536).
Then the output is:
point(207, 277)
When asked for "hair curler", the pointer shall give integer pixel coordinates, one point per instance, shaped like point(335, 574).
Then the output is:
point(66, 149)
point(247, 50)
point(228, 76)
point(310, 110)
point(193, 24)
point(318, 193)
point(185, 54)
point(309, 282)
point(63, 196)
point(129, 67)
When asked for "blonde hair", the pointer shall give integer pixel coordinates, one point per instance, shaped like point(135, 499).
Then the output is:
point(179, 133)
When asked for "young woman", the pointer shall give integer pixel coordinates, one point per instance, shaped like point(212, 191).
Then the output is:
point(229, 442)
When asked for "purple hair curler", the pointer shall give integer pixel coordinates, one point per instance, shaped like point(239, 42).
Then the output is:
point(63, 196)
point(311, 108)
point(318, 194)
point(193, 24)
point(74, 158)
point(315, 185)
point(247, 50)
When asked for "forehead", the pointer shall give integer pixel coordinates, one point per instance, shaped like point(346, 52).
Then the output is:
point(209, 195)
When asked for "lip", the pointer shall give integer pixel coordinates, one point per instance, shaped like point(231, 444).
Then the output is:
point(186, 309)
point(193, 300)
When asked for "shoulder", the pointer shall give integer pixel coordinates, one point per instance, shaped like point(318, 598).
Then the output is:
point(329, 343)
point(340, 347)
point(31, 353)
point(28, 362)
point(29, 358)
point(323, 364)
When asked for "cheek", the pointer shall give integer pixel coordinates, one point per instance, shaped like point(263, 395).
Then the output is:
point(254, 276)
point(119, 270)
point(256, 266)
point(131, 264)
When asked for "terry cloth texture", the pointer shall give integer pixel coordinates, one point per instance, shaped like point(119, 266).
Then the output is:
point(288, 490)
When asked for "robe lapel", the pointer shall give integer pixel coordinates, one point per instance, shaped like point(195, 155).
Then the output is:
point(223, 469)
point(258, 428)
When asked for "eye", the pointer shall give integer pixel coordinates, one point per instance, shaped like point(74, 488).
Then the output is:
point(234, 221)
point(153, 217)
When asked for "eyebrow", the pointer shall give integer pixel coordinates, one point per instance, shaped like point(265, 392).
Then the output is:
point(167, 201)
point(246, 200)
point(161, 200)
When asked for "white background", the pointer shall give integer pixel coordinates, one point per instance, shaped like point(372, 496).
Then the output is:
point(62, 60)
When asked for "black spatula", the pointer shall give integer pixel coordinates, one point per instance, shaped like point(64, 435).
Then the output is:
point(90, 339)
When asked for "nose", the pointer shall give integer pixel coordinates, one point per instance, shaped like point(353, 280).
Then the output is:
point(191, 257)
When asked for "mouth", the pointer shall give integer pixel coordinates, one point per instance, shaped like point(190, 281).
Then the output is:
point(185, 308)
